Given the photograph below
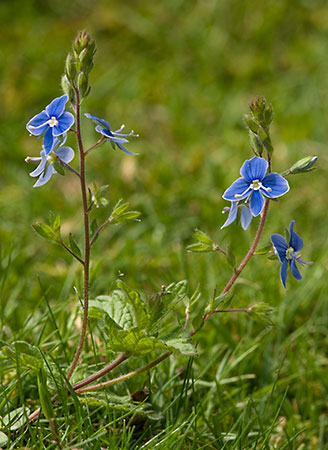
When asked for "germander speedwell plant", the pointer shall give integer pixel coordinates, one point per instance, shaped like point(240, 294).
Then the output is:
point(132, 325)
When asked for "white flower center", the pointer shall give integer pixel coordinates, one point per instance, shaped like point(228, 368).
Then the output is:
point(290, 252)
point(53, 122)
point(51, 158)
point(256, 185)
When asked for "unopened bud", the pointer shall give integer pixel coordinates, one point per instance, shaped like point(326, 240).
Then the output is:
point(67, 88)
point(70, 67)
point(83, 84)
point(303, 165)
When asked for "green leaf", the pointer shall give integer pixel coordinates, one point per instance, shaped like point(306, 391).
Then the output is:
point(46, 232)
point(202, 237)
point(44, 395)
point(73, 246)
point(24, 354)
point(263, 250)
point(54, 221)
point(200, 248)
point(119, 208)
point(221, 301)
point(130, 215)
point(116, 307)
point(198, 322)
point(59, 167)
point(3, 439)
point(94, 227)
point(261, 313)
point(204, 244)
point(231, 257)
point(15, 419)
point(181, 345)
point(161, 303)
point(133, 341)
point(141, 318)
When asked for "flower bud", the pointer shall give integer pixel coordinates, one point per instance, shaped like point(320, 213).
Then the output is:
point(67, 88)
point(83, 84)
point(70, 67)
point(303, 165)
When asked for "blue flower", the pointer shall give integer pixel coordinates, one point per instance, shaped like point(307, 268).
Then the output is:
point(253, 184)
point(53, 120)
point(115, 137)
point(245, 215)
point(288, 253)
point(45, 169)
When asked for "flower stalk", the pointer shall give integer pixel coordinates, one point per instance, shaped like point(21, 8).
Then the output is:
point(86, 261)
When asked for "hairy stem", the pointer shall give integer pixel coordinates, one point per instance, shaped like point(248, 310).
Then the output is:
point(121, 358)
point(72, 253)
point(126, 376)
point(248, 256)
point(94, 237)
point(86, 261)
point(95, 145)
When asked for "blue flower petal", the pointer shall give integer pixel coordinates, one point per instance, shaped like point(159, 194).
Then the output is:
point(278, 185)
point(64, 124)
point(125, 150)
point(254, 169)
point(57, 106)
point(294, 269)
point(232, 214)
point(48, 141)
point(256, 203)
point(45, 177)
point(294, 240)
point(36, 172)
point(66, 154)
point(38, 124)
point(283, 272)
point(280, 245)
point(245, 217)
point(239, 187)
point(97, 120)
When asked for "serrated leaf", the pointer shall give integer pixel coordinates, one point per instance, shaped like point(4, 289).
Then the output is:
point(116, 307)
point(25, 354)
point(202, 237)
point(200, 248)
point(54, 221)
point(133, 341)
point(181, 345)
point(30, 362)
point(119, 208)
point(73, 246)
point(46, 232)
point(141, 318)
point(129, 215)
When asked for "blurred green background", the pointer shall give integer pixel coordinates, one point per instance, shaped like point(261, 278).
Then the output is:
point(181, 74)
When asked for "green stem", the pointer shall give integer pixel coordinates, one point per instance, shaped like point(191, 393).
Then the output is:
point(86, 261)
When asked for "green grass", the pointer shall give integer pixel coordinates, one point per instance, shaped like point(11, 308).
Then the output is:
point(181, 73)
